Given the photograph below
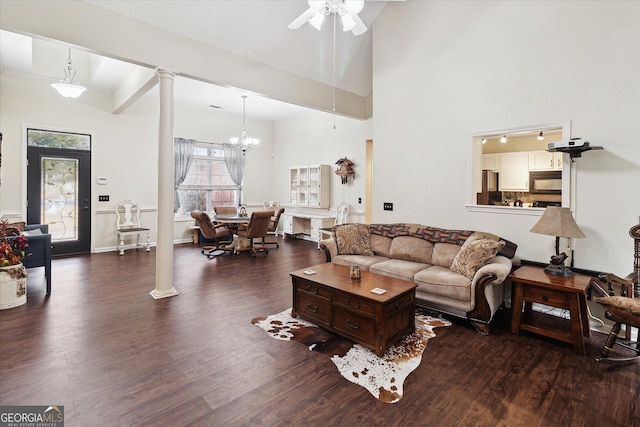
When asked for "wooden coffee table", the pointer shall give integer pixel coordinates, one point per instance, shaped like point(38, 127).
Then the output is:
point(332, 300)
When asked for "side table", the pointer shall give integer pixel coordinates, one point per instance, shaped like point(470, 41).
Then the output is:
point(531, 284)
point(195, 230)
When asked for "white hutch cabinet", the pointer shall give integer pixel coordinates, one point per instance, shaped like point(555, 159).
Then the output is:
point(309, 186)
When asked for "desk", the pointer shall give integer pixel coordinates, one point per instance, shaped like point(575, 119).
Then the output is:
point(306, 225)
point(532, 284)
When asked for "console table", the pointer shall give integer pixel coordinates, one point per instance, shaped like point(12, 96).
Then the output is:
point(531, 284)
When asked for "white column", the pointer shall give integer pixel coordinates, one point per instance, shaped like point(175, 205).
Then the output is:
point(164, 250)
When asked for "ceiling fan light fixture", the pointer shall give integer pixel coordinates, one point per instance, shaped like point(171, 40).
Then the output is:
point(319, 9)
point(348, 23)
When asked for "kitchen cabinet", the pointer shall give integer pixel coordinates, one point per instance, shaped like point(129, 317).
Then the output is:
point(491, 162)
point(310, 186)
point(545, 161)
point(514, 171)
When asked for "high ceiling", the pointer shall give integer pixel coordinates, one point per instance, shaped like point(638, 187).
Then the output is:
point(253, 29)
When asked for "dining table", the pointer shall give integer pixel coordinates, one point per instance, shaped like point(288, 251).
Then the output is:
point(233, 222)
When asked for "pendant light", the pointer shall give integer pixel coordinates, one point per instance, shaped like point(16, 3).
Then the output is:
point(66, 87)
point(244, 143)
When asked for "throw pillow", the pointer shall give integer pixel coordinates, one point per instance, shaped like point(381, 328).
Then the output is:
point(476, 252)
point(353, 239)
point(15, 228)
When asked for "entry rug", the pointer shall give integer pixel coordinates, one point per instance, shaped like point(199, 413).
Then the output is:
point(382, 376)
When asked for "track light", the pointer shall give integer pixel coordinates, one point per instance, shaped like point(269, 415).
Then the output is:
point(503, 139)
point(541, 136)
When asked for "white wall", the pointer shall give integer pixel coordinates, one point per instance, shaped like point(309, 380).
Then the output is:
point(470, 66)
point(310, 140)
point(124, 151)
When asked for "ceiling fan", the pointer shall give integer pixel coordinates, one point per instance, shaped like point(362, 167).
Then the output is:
point(318, 9)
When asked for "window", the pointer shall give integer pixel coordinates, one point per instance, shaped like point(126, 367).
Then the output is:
point(503, 162)
point(208, 183)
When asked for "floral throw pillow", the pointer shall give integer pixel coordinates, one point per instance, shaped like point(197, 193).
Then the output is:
point(476, 252)
point(353, 239)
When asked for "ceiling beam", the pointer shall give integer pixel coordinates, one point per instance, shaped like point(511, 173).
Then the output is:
point(132, 87)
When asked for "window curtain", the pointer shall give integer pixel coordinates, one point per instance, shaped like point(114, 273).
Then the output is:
point(183, 152)
point(234, 159)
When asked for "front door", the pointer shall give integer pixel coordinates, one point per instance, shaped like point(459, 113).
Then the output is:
point(59, 187)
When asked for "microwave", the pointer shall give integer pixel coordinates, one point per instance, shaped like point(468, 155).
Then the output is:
point(545, 182)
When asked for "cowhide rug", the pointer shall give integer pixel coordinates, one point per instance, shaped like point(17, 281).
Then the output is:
point(382, 376)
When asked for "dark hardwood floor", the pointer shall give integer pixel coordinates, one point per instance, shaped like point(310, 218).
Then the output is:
point(113, 356)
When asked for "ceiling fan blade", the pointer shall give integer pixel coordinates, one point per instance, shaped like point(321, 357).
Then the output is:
point(360, 28)
point(300, 20)
point(354, 6)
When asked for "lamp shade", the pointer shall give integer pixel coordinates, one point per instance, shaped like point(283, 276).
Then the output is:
point(557, 221)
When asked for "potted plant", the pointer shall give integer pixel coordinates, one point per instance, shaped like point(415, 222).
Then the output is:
point(13, 282)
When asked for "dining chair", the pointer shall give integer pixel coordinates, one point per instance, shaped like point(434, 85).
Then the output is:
point(128, 224)
point(273, 228)
point(217, 233)
point(342, 217)
point(256, 228)
point(225, 210)
point(267, 204)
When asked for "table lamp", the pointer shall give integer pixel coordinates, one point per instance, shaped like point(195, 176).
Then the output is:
point(558, 222)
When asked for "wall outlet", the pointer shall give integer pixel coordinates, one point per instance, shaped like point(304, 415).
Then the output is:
point(387, 206)
point(359, 200)
point(103, 198)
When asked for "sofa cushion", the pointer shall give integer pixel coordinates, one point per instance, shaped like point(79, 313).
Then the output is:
point(381, 245)
point(440, 280)
point(411, 249)
point(444, 254)
point(353, 239)
point(398, 268)
point(364, 261)
point(476, 252)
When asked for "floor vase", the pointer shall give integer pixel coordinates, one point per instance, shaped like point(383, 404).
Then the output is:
point(13, 286)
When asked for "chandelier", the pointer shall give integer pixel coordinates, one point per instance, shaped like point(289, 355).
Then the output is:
point(66, 87)
point(319, 9)
point(244, 143)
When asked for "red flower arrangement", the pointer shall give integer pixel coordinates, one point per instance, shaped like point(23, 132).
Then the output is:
point(12, 248)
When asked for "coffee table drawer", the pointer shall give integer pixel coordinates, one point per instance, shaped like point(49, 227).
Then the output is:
point(351, 324)
point(355, 304)
point(399, 303)
point(313, 308)
point(313, 289)
point(546, 296)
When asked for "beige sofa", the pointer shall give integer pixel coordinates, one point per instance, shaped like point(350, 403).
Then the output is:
point(459, 272)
